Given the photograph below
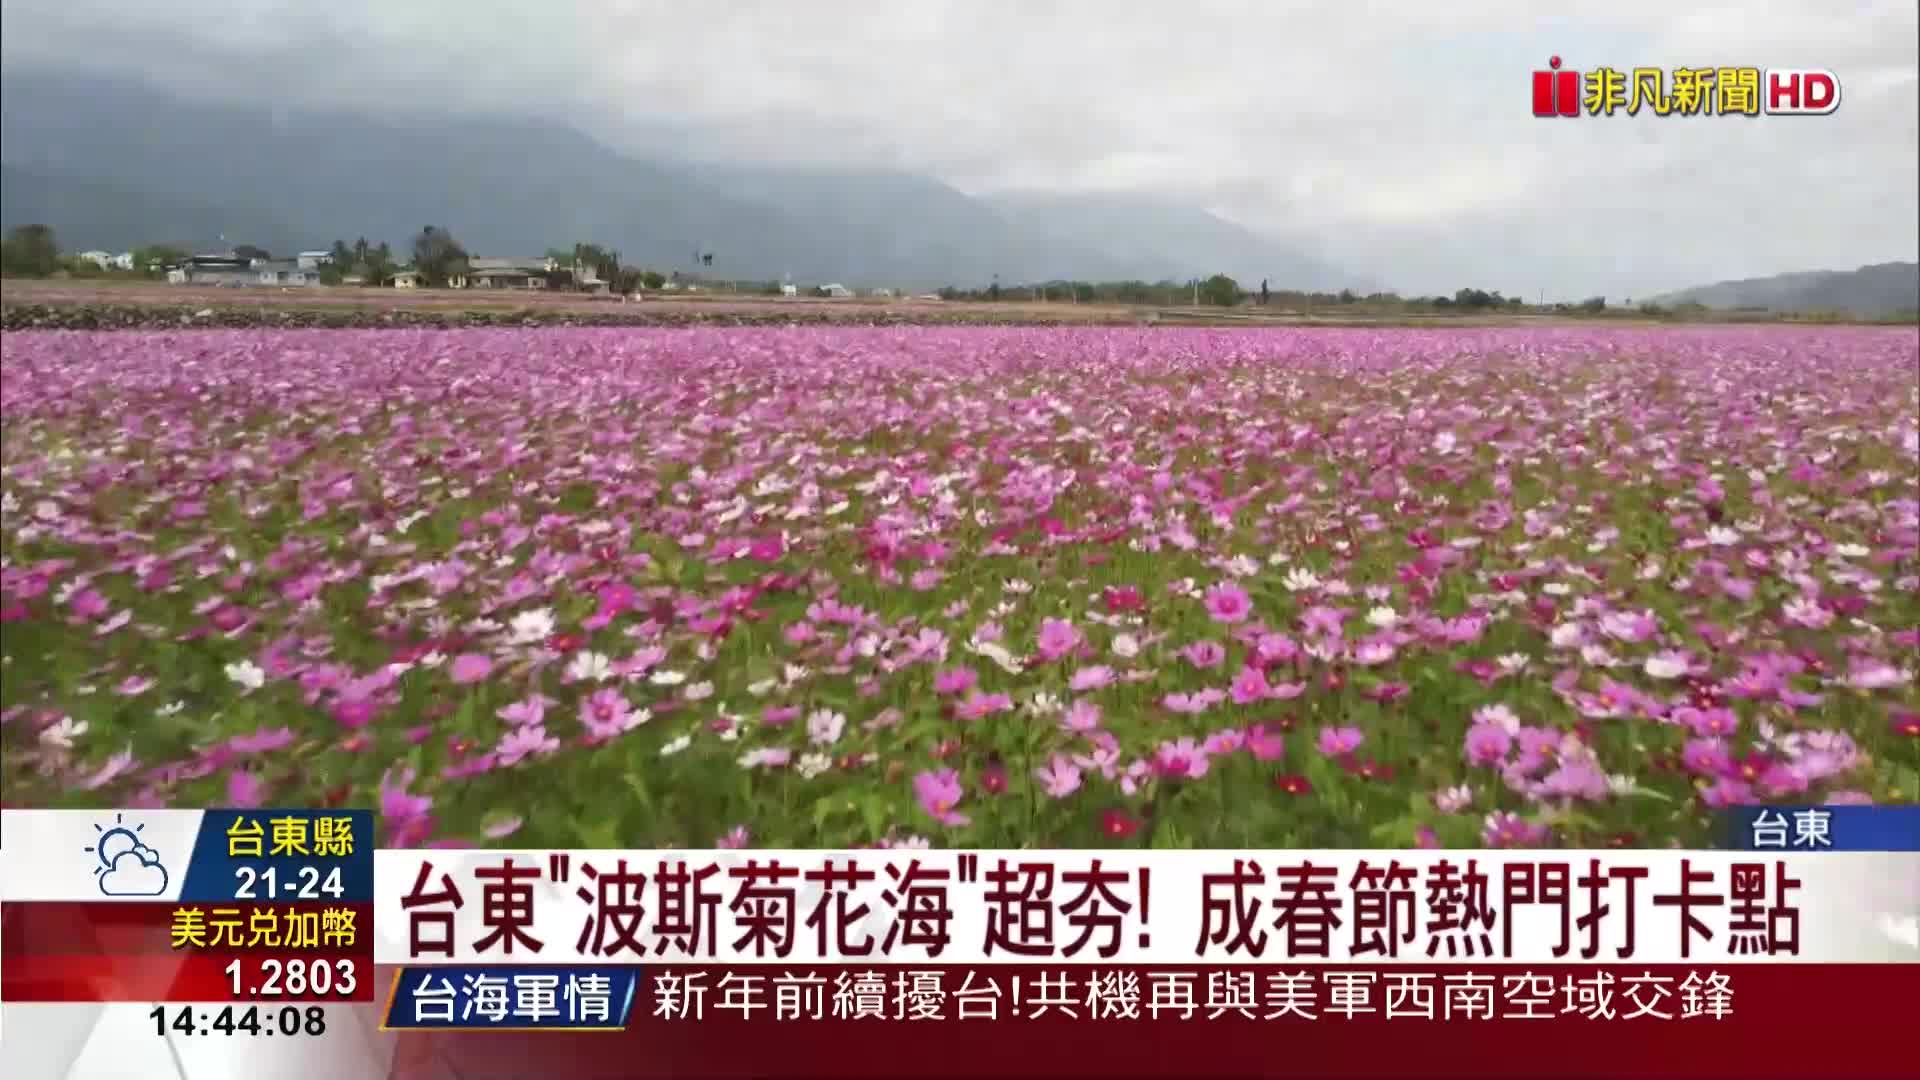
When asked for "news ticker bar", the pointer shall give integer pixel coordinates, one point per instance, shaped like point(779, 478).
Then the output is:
point(899, 1021)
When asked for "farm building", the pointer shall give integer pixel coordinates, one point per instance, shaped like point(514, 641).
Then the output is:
point(495, 273)
point(407, 279)
point(214, 270)
point(837, 290)
point(284, 272)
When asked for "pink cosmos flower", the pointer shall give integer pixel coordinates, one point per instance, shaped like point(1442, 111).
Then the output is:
point(1265, 745)
point(1867, 673)
point(954, 680)
point(1228, 603)
point(1275, 648)
point(133, 685)
point(1249, 686)
point(1080, 717)
point(978, 705)
point(531, 709)
point(245, 789)
point(1504, 829)
point(263, 741)
point(1708, 723)
point(1204, 654)
point(1728, 792)
point(1223, 741)
point(1180, 759)
point(938, 792)
point(112, 769)
point(1060, 777)
point(1090, 678)
point(1373, 653)
point(530, 740)
point(470, 668)
point(1487, 744)
point(1189, 704)
point(406, 814)
point(1335, 741)
point(1057, 638)
point(736, 838)
point(606, 714)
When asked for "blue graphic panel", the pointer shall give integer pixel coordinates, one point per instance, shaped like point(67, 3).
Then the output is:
point(512, 997)
point(282, 856)
point(1821, 828)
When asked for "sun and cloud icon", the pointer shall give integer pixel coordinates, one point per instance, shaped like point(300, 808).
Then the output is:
point(128, 867)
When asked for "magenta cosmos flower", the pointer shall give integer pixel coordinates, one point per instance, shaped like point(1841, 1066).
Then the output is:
point(939, 791)
point(1335, 741)
point(1228, 603)
point(470, 668)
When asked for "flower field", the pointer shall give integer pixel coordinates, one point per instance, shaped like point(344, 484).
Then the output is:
point(981, 587)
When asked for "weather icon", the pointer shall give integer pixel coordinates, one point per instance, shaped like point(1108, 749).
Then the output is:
point(127, 866)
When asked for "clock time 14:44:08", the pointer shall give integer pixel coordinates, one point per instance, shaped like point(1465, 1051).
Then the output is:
point(287, 1021)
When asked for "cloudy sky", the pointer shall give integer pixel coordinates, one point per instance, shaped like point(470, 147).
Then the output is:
point(1393, 137)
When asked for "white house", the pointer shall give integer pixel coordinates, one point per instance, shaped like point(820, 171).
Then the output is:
point(789, 290)
point(284, 272)
point(123, 261)
point(101, 259)
point(406, 279)
point(837, 290)
point(313, 260)
point(496, 273)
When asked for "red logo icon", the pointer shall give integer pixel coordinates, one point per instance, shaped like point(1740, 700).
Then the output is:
point(1799, 92)
point(1556, 92)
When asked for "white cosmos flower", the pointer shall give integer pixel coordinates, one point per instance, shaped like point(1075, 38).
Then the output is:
point(1383, 617)
point(1126, 646)
point(675, 745)
point(590, 667)
point(762, 688)
point(812, 765)
point(62, 733)
point(824, 727)
point(1300, 579)
point(247, 674)
point(1598, 656)
point(1720, 536)
point(531, 627)
point(667, 677)
point(699, 691)
point(1665, 665)
point(1852, 551)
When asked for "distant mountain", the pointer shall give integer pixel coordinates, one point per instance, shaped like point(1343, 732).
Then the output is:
point(1881, 289)
point(1154, 239)
point(87, 214)
point(117, 164)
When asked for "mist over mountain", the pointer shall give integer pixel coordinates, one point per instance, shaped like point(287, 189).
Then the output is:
point(116, 164)
point(1881, 289)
